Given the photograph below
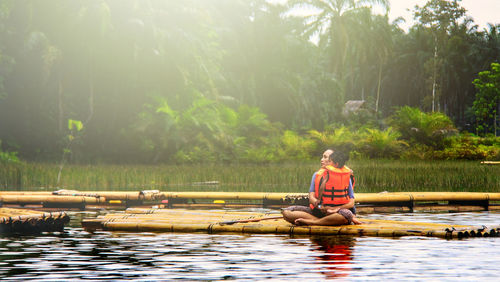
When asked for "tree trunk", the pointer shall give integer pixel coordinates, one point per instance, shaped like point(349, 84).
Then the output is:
point(61, 110)
point(378, 87)
point(434, 79)
point(495, 125)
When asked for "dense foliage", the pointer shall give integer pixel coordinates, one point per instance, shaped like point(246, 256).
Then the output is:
point(240, 81)
point(487, 104)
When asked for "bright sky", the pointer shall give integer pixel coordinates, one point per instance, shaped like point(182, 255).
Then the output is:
point(482, 11)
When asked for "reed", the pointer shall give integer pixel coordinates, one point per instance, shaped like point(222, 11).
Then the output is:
point(432, 176)
point(371, 176)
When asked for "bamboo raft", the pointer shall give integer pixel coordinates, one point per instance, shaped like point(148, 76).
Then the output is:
point(369, 202)
point(22, 221)
point(210, 221)
point(366, 202)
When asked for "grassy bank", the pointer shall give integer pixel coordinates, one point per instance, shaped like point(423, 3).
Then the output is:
point(371, 176)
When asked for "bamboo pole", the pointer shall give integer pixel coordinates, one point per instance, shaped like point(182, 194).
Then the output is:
point(425, 196)
point(364, 209)
point(231, 195)
point(360, 197)
point(491, 162)
point(145, 195)
point(33, 193)
point(110, 195)
point(280, 199)
point(34, 199)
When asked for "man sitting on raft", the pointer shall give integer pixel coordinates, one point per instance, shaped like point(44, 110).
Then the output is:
point(332, 201)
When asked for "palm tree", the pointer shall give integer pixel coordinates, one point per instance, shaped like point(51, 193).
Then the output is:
point(375, 44)
point(439, 16)
point(333, 24)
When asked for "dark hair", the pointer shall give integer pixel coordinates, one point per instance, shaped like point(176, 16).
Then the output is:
point(339, 157)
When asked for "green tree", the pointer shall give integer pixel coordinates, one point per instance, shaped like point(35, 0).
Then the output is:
point(5, 61)
point(439, 16)
point(459, 65)
point(487, 103)
point(336, 23)
point(267, 65)
point(491, 48)
point(373, 61)
point(205, 131)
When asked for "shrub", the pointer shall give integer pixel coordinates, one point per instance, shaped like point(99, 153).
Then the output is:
point(382, 144)
point(261, 154)
point(429, 129)
point(195, 155)
point(8, 157)
point(418, 152)
point(490, 140)
point(469, 147)
point(341, 139)
point(295, 147)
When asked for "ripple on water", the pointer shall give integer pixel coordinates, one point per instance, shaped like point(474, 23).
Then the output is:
point(77, 254)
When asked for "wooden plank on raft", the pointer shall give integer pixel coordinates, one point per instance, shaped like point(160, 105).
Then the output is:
point(167, 220)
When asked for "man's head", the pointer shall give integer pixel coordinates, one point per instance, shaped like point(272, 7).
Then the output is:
point(339, 158)
point(325, 159)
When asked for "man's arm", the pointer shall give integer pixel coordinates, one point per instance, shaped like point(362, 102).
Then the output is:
point(349, 205)
point(312, 193)
point(313, 200)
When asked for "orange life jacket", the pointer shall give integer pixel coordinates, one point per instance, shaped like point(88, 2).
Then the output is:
point(336, 187)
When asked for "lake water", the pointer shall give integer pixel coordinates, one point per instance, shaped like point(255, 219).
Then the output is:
point(79, 255)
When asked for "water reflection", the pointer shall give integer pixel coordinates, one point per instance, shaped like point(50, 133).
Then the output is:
point(334, 254)
point(78, 255)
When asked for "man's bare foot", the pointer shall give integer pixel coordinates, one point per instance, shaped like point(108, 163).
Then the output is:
point(356, 221)
point(302, 221)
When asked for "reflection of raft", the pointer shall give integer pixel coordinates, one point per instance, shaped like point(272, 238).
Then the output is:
point(165, 220)
point(367, 202)
point(28, 221)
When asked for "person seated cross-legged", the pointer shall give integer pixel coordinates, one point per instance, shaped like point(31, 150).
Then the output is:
point(332, 202)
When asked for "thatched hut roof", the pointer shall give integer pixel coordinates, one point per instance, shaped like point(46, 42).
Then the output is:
point(352, 106)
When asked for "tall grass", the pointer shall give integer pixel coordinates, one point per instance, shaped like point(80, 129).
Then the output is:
point(396, 176)
point(371, 176)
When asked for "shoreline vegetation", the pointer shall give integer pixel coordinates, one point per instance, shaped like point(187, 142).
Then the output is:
point(293, 177)
point(244, 82)
point(236, 96)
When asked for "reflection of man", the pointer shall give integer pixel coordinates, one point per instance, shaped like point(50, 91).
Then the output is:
point(336, 255)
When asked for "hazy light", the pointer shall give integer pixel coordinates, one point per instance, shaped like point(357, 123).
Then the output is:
point(482, 11)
